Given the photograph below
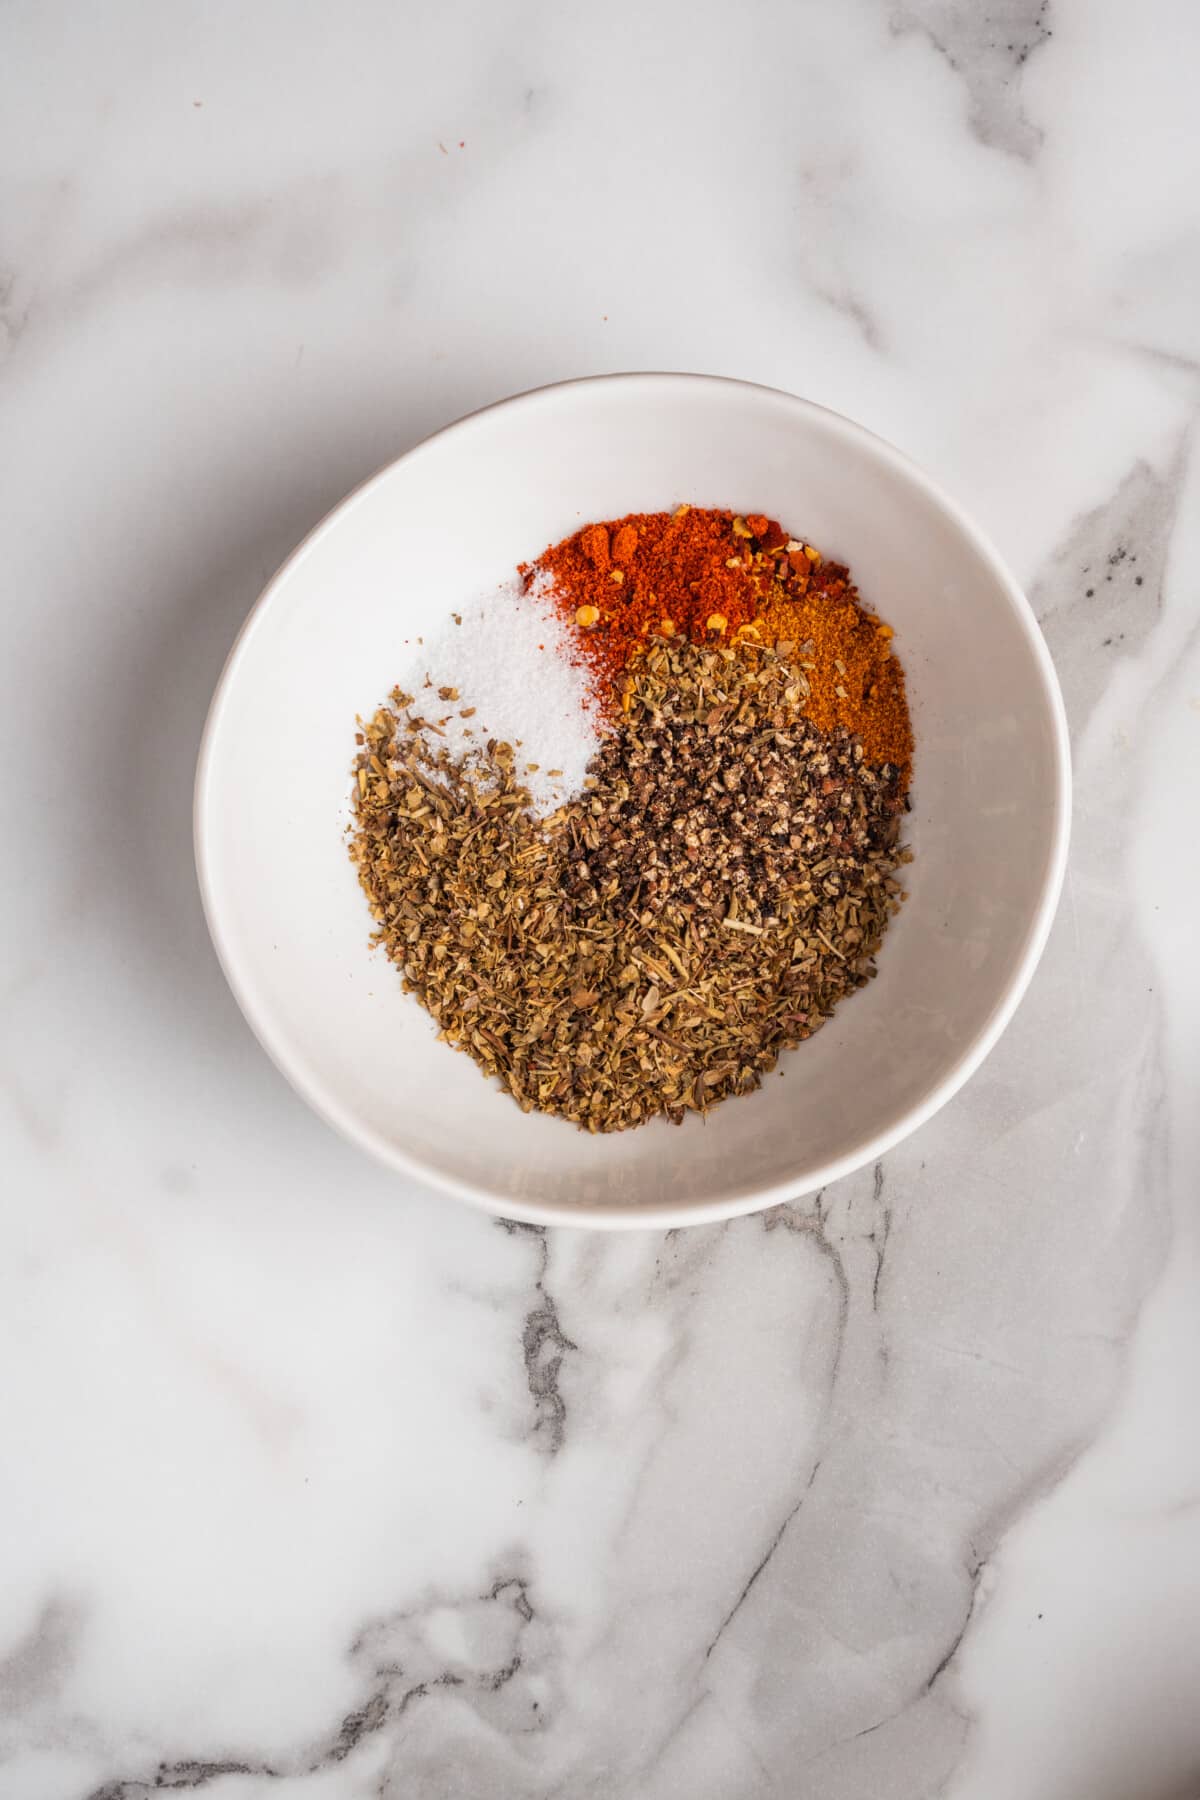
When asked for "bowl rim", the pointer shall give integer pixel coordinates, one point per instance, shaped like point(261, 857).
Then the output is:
point(737, 1202)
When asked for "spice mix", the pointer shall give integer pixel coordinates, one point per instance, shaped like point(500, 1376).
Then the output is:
point(725, 873)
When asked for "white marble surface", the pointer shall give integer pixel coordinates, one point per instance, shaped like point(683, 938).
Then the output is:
point(316, 1486)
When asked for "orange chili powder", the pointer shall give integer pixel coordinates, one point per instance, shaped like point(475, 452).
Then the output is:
point(717, 576)
point(855, 678)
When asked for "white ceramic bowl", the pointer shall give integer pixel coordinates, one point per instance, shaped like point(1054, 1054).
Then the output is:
point(450, 520)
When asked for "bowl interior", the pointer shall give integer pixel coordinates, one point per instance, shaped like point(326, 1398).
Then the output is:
point(450, 521)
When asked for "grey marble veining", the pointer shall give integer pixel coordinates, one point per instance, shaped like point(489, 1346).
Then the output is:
point(987, 48)
point(318, 1485)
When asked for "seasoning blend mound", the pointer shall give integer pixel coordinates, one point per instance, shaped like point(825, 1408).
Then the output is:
point(727, 870)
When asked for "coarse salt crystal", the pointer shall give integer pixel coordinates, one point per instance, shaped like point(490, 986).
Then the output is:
point(514, 663)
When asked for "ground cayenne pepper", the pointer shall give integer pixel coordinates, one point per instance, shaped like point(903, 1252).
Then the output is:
point(715, 576)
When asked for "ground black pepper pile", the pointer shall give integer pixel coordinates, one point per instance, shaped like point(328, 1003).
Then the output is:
point(722, 883)
point(727, 798)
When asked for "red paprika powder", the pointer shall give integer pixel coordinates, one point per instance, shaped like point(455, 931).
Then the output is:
point(649, 572)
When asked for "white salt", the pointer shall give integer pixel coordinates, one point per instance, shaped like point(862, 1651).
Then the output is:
point(511, 661)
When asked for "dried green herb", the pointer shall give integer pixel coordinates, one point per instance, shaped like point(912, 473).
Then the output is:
point(722, 883)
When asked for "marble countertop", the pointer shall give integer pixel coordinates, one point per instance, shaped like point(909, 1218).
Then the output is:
point(318, 1487)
